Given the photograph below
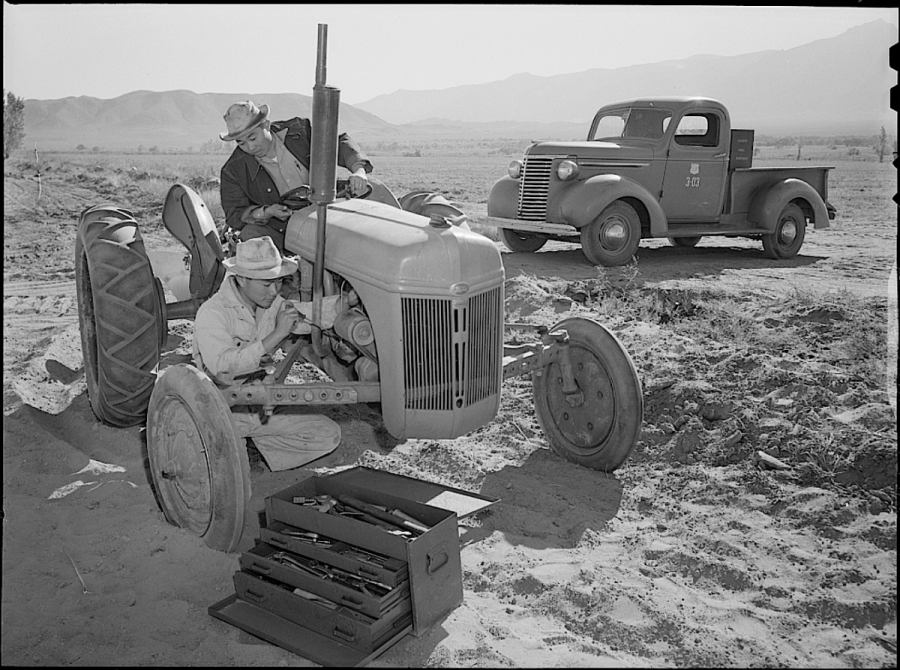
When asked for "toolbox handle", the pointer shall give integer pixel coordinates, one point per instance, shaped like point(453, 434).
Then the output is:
point(349, 637)
point(261, 569)
point(350, 600)
point(252, 595)
point(278, 542)
point(436, 559)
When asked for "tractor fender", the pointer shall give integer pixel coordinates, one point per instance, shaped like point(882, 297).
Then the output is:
point(503, 200)
point(768, 202)
point(186, 216)
point(583, 202)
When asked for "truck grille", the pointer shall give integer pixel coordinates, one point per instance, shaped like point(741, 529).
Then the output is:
point(451, 352)
point(533, 188)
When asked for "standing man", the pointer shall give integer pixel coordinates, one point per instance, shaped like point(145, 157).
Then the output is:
point(271, 159)
point(235, 334)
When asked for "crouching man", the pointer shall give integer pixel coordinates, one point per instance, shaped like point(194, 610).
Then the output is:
point(235, 334)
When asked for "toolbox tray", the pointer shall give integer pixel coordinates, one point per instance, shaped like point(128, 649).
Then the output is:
point(342, 624)
point(394, 603)
point(294, 637)
point(391, 572)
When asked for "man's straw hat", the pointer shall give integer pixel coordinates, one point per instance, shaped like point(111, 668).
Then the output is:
point(242, 117)
point(258, 258)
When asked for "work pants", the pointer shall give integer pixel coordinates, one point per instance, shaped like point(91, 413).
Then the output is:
point(288, 440)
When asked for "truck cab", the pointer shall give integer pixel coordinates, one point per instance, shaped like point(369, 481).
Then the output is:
point(655, 167)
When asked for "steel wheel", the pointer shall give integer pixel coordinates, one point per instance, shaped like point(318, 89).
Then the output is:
point(685, 242)
point(199, 467)
point(613, 237)
point(120, 315)
point(600, 430)
point(521, 242)
point(787, 238)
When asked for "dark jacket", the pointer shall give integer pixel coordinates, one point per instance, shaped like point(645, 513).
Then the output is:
point(245, 182)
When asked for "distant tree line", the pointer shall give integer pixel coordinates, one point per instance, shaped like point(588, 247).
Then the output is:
point(13, 123)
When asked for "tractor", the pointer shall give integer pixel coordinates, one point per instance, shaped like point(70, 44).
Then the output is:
point(420, 335)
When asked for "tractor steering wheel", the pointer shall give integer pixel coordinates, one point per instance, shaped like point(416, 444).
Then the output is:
point(342, 190)
point(298, 198)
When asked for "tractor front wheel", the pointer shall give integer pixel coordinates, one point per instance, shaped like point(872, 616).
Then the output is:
point(199, 467)
point(120, 315)
point(599, 423)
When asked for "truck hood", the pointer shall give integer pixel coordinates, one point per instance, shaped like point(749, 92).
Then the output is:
point(624, 150)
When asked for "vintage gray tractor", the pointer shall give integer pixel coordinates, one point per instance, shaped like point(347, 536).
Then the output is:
point(420, 332)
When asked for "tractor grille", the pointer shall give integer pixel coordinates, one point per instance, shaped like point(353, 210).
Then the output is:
point(533, 188)
point(451, 353)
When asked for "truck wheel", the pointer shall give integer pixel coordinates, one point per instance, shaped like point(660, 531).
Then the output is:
point(602, 427)
point(522, 242)
point(613, 237)
point(787, 238)
point(119, 315)
point(686, 242)
point(200, 469)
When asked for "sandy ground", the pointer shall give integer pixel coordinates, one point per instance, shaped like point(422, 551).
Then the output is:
point(691, 554)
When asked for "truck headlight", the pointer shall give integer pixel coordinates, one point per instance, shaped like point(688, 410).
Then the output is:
point(515, 169)
point(567, 170)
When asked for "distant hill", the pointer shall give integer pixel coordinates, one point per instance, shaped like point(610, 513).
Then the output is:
point(838, 85)
point(835, 86)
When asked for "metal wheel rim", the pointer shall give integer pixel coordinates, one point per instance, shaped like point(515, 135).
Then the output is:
point(788, 231)
point(586, 427)
point(183, 474)
point(614, 234)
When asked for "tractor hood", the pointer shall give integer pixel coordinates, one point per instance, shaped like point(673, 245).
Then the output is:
point(397, 250)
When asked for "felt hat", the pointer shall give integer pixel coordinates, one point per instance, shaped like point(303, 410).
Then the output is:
point(259, 258)
point(242, 117)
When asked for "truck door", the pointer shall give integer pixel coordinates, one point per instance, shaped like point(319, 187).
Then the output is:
point(694, 183)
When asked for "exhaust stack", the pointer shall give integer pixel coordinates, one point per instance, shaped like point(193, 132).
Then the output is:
point(323, 168)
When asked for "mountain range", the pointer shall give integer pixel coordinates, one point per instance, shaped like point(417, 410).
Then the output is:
point(834, 86)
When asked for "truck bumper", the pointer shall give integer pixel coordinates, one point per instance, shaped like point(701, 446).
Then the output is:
point(530, 226)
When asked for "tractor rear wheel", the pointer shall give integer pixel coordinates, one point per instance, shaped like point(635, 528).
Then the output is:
point(199, 467)
point(598, 426)
point(120, 315)
point(521, 242)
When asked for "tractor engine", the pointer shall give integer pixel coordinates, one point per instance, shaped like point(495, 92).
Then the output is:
point(428, 322)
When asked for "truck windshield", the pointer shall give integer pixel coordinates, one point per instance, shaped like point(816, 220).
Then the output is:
point(631, 123)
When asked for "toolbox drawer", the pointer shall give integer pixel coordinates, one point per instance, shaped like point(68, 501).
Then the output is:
point(342, 624)
point(393, 602)
point(383, 569)
point(432, 558)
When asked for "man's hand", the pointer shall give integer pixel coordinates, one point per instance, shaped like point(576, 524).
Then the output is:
point(278, 211)
point(286, 320)
point(359, 182)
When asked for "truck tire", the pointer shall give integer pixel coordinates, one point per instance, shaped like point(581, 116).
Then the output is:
point(787, 238)
point(200, 470)
point(521, 242)
point(601, 431)
point(613, 237)
point(685, 242)
point(119, 315)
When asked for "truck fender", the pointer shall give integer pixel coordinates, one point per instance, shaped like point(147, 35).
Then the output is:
point(768, 202)
point(503, 200)
point(583, 203)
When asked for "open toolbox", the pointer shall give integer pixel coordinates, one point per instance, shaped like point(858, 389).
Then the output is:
point(349, 563)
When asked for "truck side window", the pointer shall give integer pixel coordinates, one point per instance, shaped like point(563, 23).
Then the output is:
point(698, 130)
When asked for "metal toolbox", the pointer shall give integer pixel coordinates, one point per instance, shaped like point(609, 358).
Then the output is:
point(328, 557)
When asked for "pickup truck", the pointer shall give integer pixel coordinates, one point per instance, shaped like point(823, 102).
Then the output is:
point(667, 167)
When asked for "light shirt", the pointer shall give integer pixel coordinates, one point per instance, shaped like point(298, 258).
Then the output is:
point(286, 171)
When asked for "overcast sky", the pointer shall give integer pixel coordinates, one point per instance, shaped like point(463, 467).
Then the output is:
point(107, 50)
